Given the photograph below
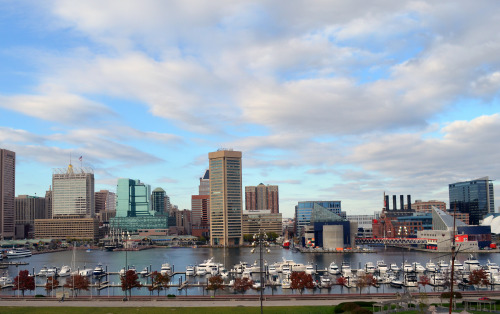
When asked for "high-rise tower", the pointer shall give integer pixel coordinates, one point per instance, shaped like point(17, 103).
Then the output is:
point(225, 197)
point(475, 198)
point(7, 193)
point(73, 192)
point(262, 197)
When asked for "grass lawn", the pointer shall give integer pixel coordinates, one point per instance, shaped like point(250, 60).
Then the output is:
point(154, 310)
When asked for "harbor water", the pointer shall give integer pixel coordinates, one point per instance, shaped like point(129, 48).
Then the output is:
point(180, 258)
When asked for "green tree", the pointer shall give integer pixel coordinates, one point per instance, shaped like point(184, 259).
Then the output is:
point(159, 282)
point(272, 236)
point(24, 281)
point(129, 281)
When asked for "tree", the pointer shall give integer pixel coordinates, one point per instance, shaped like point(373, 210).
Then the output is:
point(341, 281)
point(301, 280)
point(24, 281)
point(424, 281)
point(365, 280)
point(241, 285)
point(248, 237)
point(129, 281)
point(52, 283)
point(77, 283)
point(158, 282)
point(215, 283)
point(272, 236)
point(479, 277)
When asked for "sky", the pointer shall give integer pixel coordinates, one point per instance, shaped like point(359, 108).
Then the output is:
point(330, 100)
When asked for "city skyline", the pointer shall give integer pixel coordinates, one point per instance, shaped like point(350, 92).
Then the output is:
point(329, 101)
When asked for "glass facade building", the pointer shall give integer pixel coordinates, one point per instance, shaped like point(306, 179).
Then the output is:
point(158, 201)
point(132, 198)
point(475, 198)
point(304, 210)
point(225, 198)
point(73, 192)
point(7, 193)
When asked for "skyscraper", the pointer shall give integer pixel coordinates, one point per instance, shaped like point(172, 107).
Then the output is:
point(158, 201)
point(200, 208)
point(73, 192)
point(133, 198)
point(7, 193)
point(225, 197)
point(262, 197)
point(204, 188)
point(475, 198)
point(28, 208)
point(105, 205)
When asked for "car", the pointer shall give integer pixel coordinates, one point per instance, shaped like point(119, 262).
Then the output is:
point(484, 299)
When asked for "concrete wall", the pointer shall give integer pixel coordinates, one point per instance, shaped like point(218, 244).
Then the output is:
point(333, 236)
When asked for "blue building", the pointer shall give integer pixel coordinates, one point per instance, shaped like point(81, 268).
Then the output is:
point(475, 198)
point(304, 210)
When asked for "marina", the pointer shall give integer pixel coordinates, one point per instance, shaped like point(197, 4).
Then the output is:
point(190, 268)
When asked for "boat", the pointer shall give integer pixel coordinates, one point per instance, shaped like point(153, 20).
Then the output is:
point(471, 264)
point(98, 270)
point(394, 267)
point(406, 267)
point(310, 270)
point(239, 268)
point(410, 280)
point(224, 273)
point(457, 266)
point(417, 267)
point(443, 266)
point(42, 272)
point(65, 271)
point(396, 283)
point(437, 280)
point(345, 268)
point(285, 283)
point(18, 253)
point(123, 271)
point(166, 269)
point(52, 272)
point(144, 272)
point(325, 282)
point(208, 267)
point(491, 268)
point(381, 267)
point(369, 268)
point(190, 270)
point(5, 280)
point(272, 270)
point(86, 272)
point(431, 267)
point(333, 269)
point(286, 244)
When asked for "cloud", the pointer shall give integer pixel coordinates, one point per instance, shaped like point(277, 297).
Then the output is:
point(167, 180)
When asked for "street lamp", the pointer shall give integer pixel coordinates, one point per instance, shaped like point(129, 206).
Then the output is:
point(261, 237)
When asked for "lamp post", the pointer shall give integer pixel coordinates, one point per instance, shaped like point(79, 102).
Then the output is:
point(261, 237)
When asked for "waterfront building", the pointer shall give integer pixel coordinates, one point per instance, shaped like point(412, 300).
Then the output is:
point(67, 228)
point(365, 224)
point(27, 209)
point(7, 193)
point(328, 230)
point(304, 210)
point(133, 208)
point(264, 220)
point(474, 197)
point(158, 201)
point(73, 192)
point(225, 197)
point(200, 208)
point(426, 206)
point(105, 205)
point(262, 197)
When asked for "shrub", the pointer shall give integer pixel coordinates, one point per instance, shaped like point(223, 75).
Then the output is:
point(446, 295)
point(361, 310)
point(39, 296)
point(350, 306)
point(170, 295)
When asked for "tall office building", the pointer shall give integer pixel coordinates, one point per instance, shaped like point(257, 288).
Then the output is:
point(7, 193)
point(133, 198)
point(475, 198)
point(225, 198)
point(28, 208)
point(200, 208)
point(73, 192)
point(304, 211)
point(158, 201)
point(262, 197)
point(48, 203)
point(204, 188)
point(105, 205)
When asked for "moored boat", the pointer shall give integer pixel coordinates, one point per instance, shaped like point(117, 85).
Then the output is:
point(18, 253)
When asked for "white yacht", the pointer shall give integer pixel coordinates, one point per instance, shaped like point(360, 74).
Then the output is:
point(51, 272)
point(122, 272)
point(190, 270)
point(224, 273)
point(471, 264)
point(394, 267)
point(333, 269)
point(239, 268)
point(310, 269)
point(346, 269)
point(286, 270)
point(272, 270)
point(458, 266)
point(144, 272)
point(410, 281)
point(65, 271)
point(437, 280)
point(325, 282)
point(285, 283)
point(431, 267)
point(86, 272)
point(381, 267)
point(98, 270)
point(443, 266)
point(5, 280)
point(406, 267)
point(491, 268)
point(17, 253)
point(369, 268)
point(418, 267)
point(166, 269)
point(42, 272)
